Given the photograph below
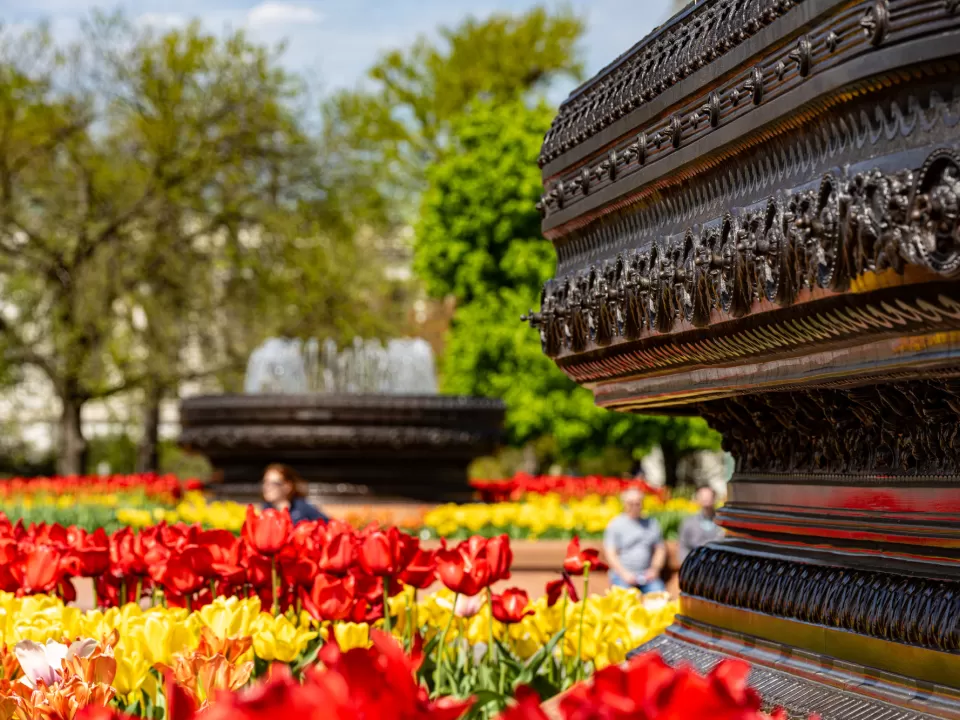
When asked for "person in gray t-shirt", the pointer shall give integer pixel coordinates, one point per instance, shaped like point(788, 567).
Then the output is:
point(634, 546)
point(700, 529)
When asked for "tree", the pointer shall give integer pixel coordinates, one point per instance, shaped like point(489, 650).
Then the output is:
point(165, 200)
point(479, 240)
point(398, 123)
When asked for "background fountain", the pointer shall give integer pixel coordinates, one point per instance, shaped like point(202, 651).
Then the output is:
point(362, 422)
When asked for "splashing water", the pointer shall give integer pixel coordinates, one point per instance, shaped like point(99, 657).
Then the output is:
point(403, 367)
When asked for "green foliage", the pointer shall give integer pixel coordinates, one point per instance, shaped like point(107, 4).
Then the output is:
point(479, 240)
point(398, 122)
point(119, 452)
point(162, 213)
point(478, 231)
point(185, 466)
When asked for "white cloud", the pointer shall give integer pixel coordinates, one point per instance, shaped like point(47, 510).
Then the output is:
point(274, 13)
point(162, 20)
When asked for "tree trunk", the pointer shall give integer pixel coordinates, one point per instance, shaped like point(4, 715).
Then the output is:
point(670, 460)
point(147, 452)
point(72, 449)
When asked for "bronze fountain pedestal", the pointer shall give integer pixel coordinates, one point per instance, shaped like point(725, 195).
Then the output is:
point(756, 213)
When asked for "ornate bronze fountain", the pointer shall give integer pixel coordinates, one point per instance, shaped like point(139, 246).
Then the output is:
point(756, 212)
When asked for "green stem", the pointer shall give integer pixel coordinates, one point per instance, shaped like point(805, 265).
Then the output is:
point(408, 624)
point(96, 599)
point(139, 590)
point(274, 586)
point(189, 604)
point(563, 626)
point(416, 614)
point(491, 650)
point(123, 593)
point(386, 604)
point(442, 645)
point(583, 611)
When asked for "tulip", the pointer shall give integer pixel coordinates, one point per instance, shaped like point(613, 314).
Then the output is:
point(461, 571)
point(510, 606)
point(555, 588)
point(39, 570)
point(385, 554)
point(421, 570)
point(527, 706)
point(500, 557)
point(577, 560)
point(90, 554)
point(467, 607)
point(330, 598)
point(267, 533)
point(338, 552)
point(44, 663)
point(352, 635)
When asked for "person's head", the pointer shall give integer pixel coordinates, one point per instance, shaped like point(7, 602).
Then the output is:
point(706, 498)
point(281, 484)
point(632, 500)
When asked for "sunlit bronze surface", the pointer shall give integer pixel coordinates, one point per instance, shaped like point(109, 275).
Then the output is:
point(756, 212)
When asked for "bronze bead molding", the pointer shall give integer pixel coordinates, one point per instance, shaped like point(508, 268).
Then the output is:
point(844, 36)
point(812, 239)
point(919, 611)
point(699, 37)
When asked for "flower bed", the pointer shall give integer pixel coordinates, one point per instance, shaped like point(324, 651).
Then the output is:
point(549, 508)
point(548, 517)
point(320, 621)
point(216, 609)
point(567, 487)
point(115, 501)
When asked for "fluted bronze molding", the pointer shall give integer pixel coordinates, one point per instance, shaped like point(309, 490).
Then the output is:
point(917, 611)
point(225, 438)
point(810, 239)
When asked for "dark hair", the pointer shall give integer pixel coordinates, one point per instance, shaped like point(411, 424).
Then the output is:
point(291, 477)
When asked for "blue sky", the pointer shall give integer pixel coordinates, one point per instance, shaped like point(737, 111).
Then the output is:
point(336, 40)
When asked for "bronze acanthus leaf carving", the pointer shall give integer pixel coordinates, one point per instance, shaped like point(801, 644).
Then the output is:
point(812, 238)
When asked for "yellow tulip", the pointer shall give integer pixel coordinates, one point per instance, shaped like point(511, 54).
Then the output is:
point(230, 617)
point(278, 639)
point(352, 635)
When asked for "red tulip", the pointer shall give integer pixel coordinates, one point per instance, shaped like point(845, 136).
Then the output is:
point(330, 598)
point(555, 589)
point(387, 553)
point(267, 533)
point(649, 687)
point(187, 572)
point(127, 554)
point(421, 571)
point(338, 552)
point(527, 707)
point(461, 570)
point(500, 557)
point(577, 560)
point(89, 555)
point(39, 569)
point(510, 606)
point(224, 549)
